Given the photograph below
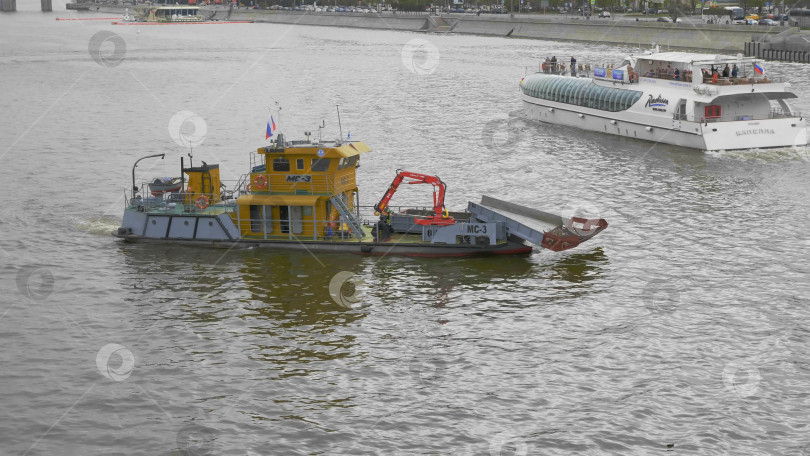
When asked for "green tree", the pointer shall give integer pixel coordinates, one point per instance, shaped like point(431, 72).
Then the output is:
point(676, 9)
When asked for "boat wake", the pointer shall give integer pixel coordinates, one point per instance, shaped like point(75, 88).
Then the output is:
point(102, 225)
point(801, 153)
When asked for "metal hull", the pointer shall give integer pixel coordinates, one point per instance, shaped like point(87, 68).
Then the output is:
point(510, 247)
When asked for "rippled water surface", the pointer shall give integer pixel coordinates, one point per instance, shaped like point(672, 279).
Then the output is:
point(683, 327)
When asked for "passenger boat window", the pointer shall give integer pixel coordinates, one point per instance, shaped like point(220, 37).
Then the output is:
point(352, 161)
point(320, 164)
point(712, 112)
point(580, 93)
point(342, 163)
point(281, 164)
point(299, 163)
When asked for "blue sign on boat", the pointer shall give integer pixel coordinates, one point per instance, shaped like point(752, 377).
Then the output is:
point(599, 72)
point(618, 74)
point(320, 152)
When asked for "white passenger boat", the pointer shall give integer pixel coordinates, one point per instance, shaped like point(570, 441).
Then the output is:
point(673, 98)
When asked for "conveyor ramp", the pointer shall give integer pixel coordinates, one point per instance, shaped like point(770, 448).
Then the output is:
point(541, 228)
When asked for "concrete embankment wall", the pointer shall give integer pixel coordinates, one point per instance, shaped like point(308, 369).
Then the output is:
point(719, 38)
point(403, 22)
point(690, 36)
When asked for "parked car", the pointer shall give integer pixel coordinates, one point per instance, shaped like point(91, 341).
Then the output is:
point(605, 14)
point(750, 22)
point(663, 19)
point(767, 22)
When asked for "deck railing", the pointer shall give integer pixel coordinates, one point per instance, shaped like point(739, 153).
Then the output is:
point(292, 229)
point(312, 184)
point(775, 113)
point(184, 202)
point(562, 68)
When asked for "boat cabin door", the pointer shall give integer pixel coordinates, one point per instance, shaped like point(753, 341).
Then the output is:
point(679, 115)
point(291, 217)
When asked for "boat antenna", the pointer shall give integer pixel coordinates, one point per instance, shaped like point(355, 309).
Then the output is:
point(278, 110)
point(190, 155)
point(340, 126)
point(320, 129)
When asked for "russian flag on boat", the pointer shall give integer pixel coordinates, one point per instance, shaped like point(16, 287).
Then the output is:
point(271, 127)
point(758, 68)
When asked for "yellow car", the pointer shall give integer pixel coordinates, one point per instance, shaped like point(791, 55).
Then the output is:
point(753, 16)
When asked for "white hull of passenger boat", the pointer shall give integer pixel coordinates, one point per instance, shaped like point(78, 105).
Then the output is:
point(733, 135)
point(747, 112)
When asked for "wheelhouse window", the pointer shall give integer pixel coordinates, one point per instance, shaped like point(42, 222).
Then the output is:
point(320, 164)
point(299, 163)
point(281, 164)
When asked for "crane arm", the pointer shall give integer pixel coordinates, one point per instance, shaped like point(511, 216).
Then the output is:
point(440, 188)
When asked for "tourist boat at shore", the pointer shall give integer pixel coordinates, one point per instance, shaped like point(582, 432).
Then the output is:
point(170, 15)
point(304, 195)
point(644, 97)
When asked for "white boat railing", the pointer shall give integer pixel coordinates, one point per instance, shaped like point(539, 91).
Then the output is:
point(562, 68)
point(775, 113)
point(184, 201)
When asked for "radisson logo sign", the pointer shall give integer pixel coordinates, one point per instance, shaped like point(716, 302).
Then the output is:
point(658, 102)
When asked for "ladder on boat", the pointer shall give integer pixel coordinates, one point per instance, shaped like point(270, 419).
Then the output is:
point(347, 216)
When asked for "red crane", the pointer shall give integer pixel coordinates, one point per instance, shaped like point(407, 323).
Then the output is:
point(440, 216)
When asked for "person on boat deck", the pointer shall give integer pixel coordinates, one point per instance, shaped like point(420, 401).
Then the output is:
point(546, 65)
point(573, 66)
point(715, 76)
point(726, 71)
point(734, 71)
point(677, 74)
point(332, 226)
point(554, 64)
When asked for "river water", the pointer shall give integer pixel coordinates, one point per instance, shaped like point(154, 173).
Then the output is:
point(683, 327)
